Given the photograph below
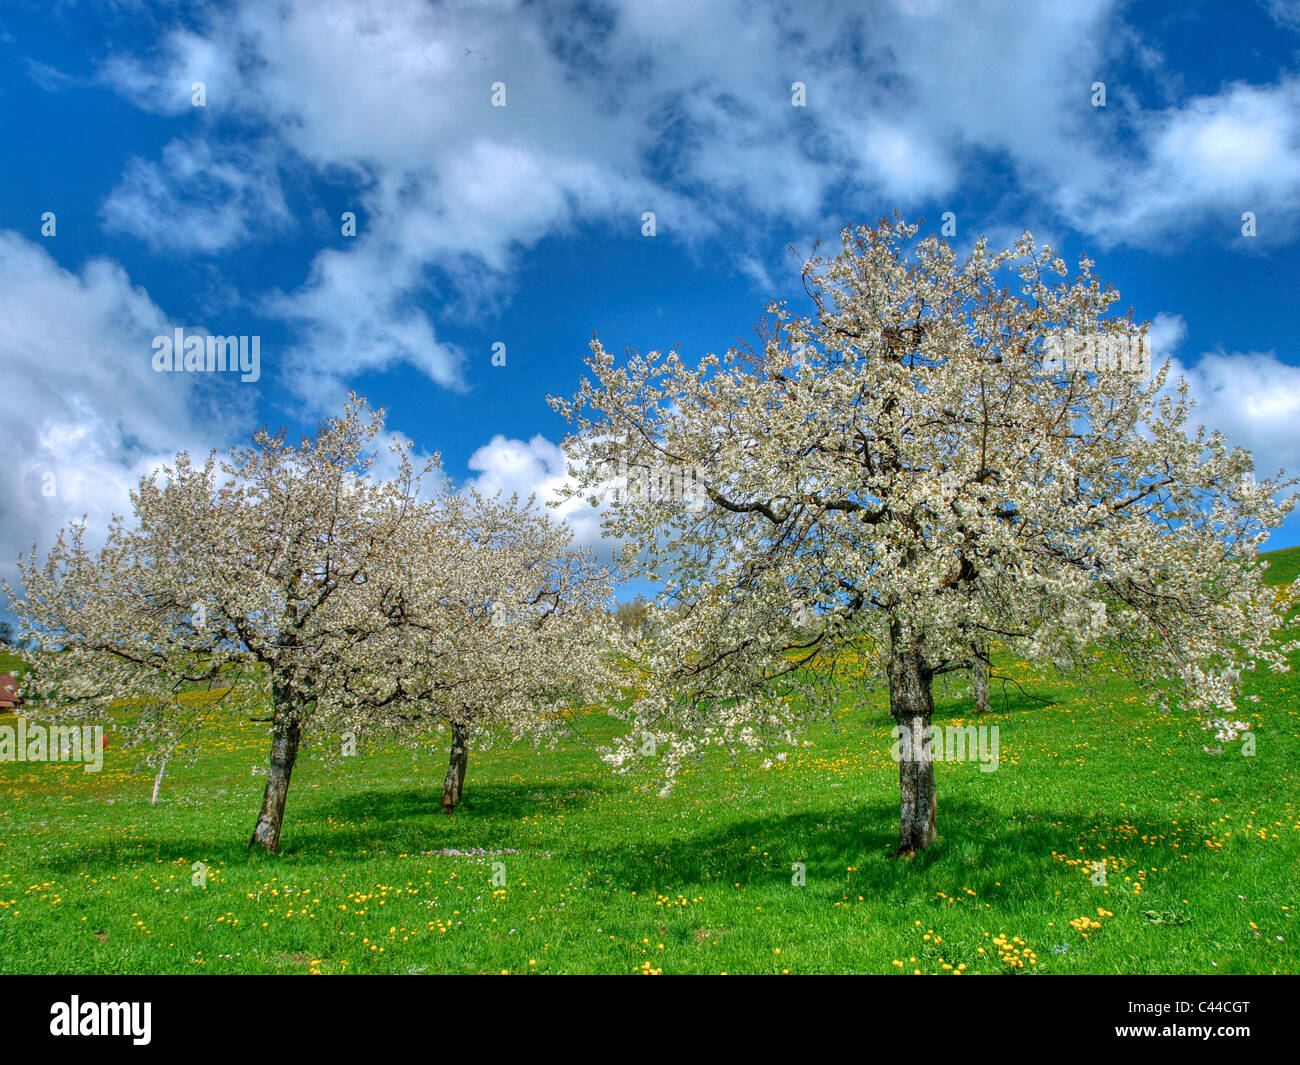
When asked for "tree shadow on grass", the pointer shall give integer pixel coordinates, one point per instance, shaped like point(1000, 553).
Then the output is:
point(111, 852)
point(850, 852)
point(355, 827)
point(410, 820)
point(486, 801)
point(1006, 702)
point(1012, 703)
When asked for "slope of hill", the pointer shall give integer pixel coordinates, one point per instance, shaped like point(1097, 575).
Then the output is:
point(1283, 565)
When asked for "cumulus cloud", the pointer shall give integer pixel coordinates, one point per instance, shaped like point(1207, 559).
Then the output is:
point(535, 467)
point(197, 201)
point(85, 414)
point(626, 106)
point(1166, 336)
point(163, 82)
point(609, 112)
point(1254, 398)
point(629, 106)
point(1215, 156)
point(643, 96)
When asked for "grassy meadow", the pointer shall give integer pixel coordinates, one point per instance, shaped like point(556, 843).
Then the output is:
point(602, 875)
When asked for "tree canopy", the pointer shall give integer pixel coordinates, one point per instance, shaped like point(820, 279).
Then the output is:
point(912, 469)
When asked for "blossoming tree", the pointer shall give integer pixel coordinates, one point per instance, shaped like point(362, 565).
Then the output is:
point(505, 630)
point(276, 569)
point(913, 468)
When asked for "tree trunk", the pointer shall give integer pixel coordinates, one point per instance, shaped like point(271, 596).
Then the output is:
point(286, 732)
point(157, 782)
point(979, 678)
point(911, 703)
point(454, 784)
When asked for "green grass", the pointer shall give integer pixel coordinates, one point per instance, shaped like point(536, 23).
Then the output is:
point(1284, 565)
point(12, 664)
point(602, 875)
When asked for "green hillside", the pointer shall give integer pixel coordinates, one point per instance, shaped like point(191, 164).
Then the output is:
point(1201, 854)
point(1283, 565)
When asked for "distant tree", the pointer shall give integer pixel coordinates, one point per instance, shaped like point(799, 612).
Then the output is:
point(505, 632)
point(909, 469)
point(6, 634)
point(632, 616)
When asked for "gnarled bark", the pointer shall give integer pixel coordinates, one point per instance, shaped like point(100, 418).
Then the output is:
point(911, 703)
point(286, 733)
point(454, 784)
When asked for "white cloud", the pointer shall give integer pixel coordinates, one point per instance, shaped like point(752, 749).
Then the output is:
point(534, 468)
point(196, 200)
point(1213, 157)
point(1166, 336)
point(1284, 12)
point(163, 83)
point(754, 269)
point(641, 106)
point(83, 405)
point(684, 110)
point(648, 99)
point(1254, 399)
point(46, 77)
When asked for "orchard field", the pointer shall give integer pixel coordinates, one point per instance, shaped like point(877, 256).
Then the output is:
point(601, 874)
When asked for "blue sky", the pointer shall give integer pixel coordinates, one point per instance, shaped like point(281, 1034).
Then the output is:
point(522, 224)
